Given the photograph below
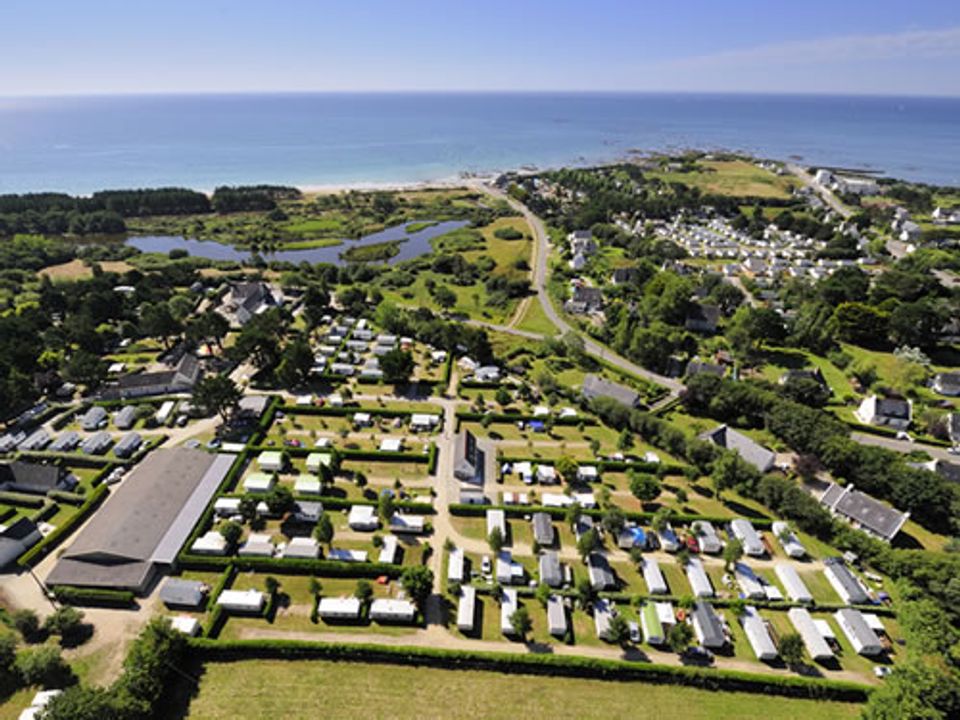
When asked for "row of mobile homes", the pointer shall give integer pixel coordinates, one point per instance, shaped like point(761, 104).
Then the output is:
point(788, 540)
point(551, 571)
point(455, 566)
point(803, 623)
point(390, 550)
point(601, 575)
point(752, 543)
point(391, 610)
point(793, 583)
point(749, 583)
point(602, 616)
point(339, 608)
point(653, 577)
point(508, 606)
point(699, 580)
point(556, 616)
point(707, 537)
point(652, 627)
point(862, 637)
point(467, 609)
point(241, 601)
point(707, 626)
point(757, 634)
point(847, 585)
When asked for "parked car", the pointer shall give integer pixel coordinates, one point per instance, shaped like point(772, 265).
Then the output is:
point(698, 653)
point(634, 632)
point(485, 567)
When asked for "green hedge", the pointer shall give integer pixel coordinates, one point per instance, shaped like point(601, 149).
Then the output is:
point(42, 548)
point(94, 597)
point(345, 411)
point(348, 455)
point(21, 499)
point(534, 664)
point(69, 498)
point(45, 513)
point(6, 513)
point(432, 459)
point(290, 566)
point(67, 459)
point(216, 619)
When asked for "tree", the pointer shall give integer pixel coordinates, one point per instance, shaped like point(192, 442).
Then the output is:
point(296, 362)
point(585, 593)
point(587, 543)
point(231, 532)
point(614, 520)
point(397, 366)
point(503, 397)
point(644, 486)
point(217, 393)
point(279, 500)
point(83, 702)
point(67, 622)
point(660, 520)
point(732, 552)
point(27, 624)
point(417, 582)
point(750, 327)
point(543, 593)
point(385, 506)
point(495, 540)
point(567, 468)
point(444, 296)
point(679, 637)
point(791, 649)
point(271, 585)
point(157, 321)
point(364, 591)
point(84, 368)
point(521, 623)
point(572, 513)
point(323, 532)
point(625, 441)
point(43, 665)
point(915, 689)
point(618, 631)
point(860, 324)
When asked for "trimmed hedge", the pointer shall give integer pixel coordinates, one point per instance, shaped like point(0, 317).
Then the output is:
point(217, 618)
point(346, 411)
point(45, 513)
point(69, 498)
point(432, 459)
point(21, 499)
point(93, 597)
point(534, 664)
point(67, 459)
point(6, 513)
point(290, 566)
point(42, 548)
point(348, 455)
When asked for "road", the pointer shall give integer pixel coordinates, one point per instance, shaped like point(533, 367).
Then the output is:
point(828, 197)
point(738, 284)
point(541, 253)
point(904, 446)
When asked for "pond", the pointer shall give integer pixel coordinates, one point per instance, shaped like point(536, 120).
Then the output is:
point(411, 245)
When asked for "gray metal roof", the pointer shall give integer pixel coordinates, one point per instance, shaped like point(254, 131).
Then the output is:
point(709, 625)
point(543, 531)
point(753, 452)
point(145, 521)
point(842, 573)
point(550, 571)
point(595, 386)
point(182, 593)
point(867, 512)
point(601, 576)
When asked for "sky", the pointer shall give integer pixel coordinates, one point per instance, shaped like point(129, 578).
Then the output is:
point(884, 47)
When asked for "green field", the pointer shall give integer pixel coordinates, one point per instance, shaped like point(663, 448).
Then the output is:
point(307, 689)
point(734, 178)
point(535, 319)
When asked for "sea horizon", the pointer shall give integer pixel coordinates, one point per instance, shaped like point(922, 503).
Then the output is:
point(336, 139)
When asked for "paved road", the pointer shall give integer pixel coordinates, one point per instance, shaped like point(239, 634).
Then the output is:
point(828, 197)
point(904, 446)
point(542, 248)
point(738, 284)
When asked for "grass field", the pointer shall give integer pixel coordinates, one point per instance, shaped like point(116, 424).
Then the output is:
point(734, 178)
point(78, 270)
point(535, 320)
point(307, 689)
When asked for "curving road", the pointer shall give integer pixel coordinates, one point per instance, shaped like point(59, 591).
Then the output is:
point(541, 252)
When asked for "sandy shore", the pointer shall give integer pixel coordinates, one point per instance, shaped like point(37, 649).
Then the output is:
point(439, 184)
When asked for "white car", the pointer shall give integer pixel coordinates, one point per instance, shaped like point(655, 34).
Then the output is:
point(485, 567)
point(881, 671)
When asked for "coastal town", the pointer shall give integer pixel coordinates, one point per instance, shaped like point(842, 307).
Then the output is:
point(688, 419)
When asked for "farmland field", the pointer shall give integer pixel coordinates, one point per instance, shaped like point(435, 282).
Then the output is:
point(306, 689)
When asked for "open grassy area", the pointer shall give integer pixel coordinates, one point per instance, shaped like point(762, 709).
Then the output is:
point(535, 320)
point(78, 270)
point(734, 178)
point(306, 689)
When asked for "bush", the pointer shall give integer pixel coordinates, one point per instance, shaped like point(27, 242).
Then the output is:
point(93, 597)
point(27, 624)
point(43, 666)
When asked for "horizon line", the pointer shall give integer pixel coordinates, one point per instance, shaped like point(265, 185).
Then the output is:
point(449, 91)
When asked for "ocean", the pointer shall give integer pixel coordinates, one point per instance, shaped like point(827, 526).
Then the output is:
point(83, 144)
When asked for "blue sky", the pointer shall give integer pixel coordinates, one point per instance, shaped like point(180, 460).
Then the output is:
point(54, 47)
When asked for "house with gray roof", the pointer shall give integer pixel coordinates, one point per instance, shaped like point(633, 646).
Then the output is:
point(34, 478)
point(947, 383)
point(97, 444)
point(891, 412)
point(863, 511)
point(128, 445)
point(551, 572)
point(93, 418)
point(600, 572)
point(181, 593)
point(16, 539)
point(181, 378)
point(702, 318)
point(543, 531)
point(846, 584)
point(584, 300)
point(474, 461)
point(125, 419)
point(245, 300)
point(707, 626)
point(143, 524)
point(753, 452)
point(595, 386)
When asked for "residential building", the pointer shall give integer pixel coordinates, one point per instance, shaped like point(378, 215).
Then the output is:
point(246, 300)
point(16, 539)
point(947, 383)
point(34, 478)
point(556, 616)
point(584, 300)
point(543, 531)
point(792, 582)
point(751, 451)
point(752, 543)
point(601, 575)
point(595, 387)
point(863, 511)
point(508, 606)
point(788, 540)
point(890, 412)
point(861, 636)
point(707, 626)
point(699, 580)
point(179, 379)
point(551, 572)
point(844, 582)
point(755, 628)
point(474, 460)
point(803, 623)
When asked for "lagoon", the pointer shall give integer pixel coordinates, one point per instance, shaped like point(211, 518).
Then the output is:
point(412, 245)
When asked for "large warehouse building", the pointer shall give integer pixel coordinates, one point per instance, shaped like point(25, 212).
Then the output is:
point(142, 526)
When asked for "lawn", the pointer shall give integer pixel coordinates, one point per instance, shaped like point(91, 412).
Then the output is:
point(307, 689)
point(733, 178)
point(535, 320)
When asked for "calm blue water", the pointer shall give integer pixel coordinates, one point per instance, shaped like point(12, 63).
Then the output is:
point(85, 144)
point(412, 245)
